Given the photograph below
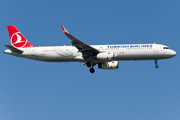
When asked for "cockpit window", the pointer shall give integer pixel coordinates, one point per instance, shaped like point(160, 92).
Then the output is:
point(165, 48)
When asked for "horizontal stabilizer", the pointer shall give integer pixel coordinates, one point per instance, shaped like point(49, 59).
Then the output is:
point(13, 49)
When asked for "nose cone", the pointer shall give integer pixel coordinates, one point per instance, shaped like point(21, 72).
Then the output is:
point(173, 53)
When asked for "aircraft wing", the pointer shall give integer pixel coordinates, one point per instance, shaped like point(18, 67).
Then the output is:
point(81, 46)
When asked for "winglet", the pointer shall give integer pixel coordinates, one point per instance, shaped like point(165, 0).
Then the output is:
point(64, 29)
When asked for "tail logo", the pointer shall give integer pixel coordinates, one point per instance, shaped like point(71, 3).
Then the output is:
point(18, 40)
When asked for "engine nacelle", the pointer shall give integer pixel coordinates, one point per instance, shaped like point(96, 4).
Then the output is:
point(105, 56)
point(108, 65)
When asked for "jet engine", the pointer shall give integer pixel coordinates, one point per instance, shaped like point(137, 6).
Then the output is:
point(105, 56)
point(108, 65)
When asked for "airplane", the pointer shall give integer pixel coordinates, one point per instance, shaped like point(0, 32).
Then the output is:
point(105, 56)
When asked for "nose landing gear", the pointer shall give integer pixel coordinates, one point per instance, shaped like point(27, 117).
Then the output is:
point(156, 66)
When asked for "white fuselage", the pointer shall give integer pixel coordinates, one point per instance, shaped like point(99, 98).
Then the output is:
point(120, 52)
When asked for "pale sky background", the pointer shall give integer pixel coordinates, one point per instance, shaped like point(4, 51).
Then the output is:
point(34, 90)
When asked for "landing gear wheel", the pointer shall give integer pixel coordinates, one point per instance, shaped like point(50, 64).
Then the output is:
point(92, 70)
point(156, 66)
point(88, 64)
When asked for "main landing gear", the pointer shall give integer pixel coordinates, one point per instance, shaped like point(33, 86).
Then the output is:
point(92, 70)
point(89, 64)
point(156, 66)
